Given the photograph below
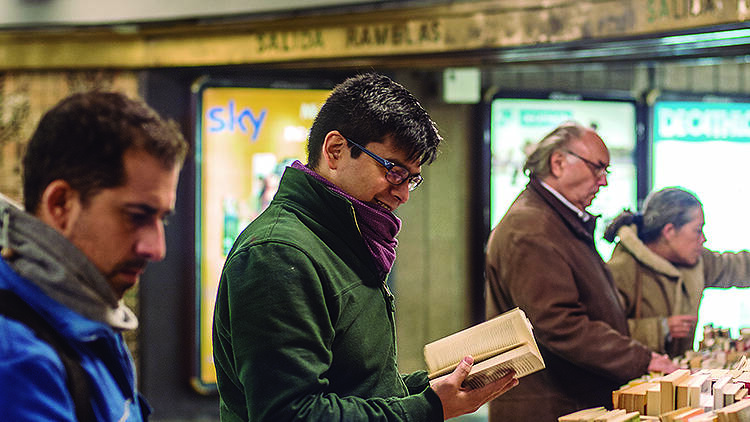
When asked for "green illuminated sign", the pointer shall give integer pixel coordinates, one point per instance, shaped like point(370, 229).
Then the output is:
point(544, 117)
point(698, 121)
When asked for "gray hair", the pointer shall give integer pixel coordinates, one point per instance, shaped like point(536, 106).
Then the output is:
point(669, 205)
point(537, 163)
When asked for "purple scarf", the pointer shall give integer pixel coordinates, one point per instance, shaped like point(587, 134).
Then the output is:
point(378, 226)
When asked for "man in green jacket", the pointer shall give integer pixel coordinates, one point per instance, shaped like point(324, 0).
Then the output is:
point(304, 321)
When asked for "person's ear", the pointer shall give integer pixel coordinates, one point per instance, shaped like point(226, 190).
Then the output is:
point(334, 149)
point(668, 231)
point(557, 162)
point(59, 206)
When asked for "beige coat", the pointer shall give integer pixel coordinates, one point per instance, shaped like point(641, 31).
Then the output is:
point(667, 289)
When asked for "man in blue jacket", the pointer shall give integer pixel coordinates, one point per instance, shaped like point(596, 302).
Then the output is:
point(100, 177)
point(304, 320)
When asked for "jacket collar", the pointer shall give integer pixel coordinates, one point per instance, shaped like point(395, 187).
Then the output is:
point(313, 198)
point(45, 258)
point(328, 209)
point(584, 230)
point(583, 215)
point(629, 240)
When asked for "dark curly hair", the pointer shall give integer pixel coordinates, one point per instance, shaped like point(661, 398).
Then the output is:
point(83, 139)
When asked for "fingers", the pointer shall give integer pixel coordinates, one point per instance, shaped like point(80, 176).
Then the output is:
point(687, 319)
point(682, 319)
point(681, 326)
point(511, 384)
point(493, 390)
point(661, 363)
point(462, 370)
point(458, 400)
point(692, 319)
point(508, 381)
point(681, 331)
point(500, 385)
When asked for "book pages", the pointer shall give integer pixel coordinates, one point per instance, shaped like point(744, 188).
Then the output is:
point(481, 341)
point(498, 346)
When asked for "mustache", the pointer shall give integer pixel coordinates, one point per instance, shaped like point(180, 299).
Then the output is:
point(137, 264)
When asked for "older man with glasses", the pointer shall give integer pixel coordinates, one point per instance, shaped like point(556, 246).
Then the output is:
point(541, 257)
point(304, 320)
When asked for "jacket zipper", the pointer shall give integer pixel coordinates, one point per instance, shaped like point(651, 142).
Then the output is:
point(387, 295)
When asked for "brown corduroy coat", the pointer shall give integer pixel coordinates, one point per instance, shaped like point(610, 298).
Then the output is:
point(541, 257)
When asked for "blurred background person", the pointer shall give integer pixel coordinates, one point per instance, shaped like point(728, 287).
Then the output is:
point(100, 179)
point(661, 268)
point(541, 257)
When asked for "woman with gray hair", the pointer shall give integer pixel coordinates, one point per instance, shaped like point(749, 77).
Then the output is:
point(661, 268)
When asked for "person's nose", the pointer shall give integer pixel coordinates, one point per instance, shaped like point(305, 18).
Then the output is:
point(151, 243)
point(603, 179)
point(401, 192)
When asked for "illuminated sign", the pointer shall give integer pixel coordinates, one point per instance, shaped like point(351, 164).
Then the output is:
point(246, 138)
point(517, 124)
point(228, 118)
point(700, 121)
point(703, 147)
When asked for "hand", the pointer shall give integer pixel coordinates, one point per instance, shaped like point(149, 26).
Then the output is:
point(681, 326)
point(458, 401)
point(661, 363)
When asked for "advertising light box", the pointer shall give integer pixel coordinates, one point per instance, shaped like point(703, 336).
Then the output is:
point(245, 139)
point(517, 124)
point(703, 146)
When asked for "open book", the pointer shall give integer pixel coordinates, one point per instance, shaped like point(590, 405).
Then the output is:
point(498, 345)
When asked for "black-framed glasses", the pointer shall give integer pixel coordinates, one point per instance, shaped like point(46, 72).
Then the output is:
point(599, 169)
point(395, 174)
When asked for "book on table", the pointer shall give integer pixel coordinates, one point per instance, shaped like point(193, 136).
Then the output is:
point(668, 384)
point(730, 391)
point(681, 414)
point(688, 390)
point(600, 414)
point(583, 415)
point(735, 412)
point(498, 345)
point(653, 399)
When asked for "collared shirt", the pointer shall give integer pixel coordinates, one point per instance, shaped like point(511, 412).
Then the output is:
point(584, 216)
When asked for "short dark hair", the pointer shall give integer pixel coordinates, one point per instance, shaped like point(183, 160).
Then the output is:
point(83, 139)
point(370, 107)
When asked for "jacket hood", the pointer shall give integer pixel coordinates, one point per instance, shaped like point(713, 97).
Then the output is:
point(44, 257)
point(630, 241)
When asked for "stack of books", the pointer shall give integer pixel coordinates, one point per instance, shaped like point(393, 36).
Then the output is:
point(715, 395)
point(737, 412)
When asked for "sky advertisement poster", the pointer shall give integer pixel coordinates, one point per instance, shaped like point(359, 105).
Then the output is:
point(247, 137)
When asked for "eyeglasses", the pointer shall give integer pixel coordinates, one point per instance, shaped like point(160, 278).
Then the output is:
point(394, 174)
point(599, 169)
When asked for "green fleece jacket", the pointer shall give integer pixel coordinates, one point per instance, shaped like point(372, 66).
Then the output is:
point(303, 325)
